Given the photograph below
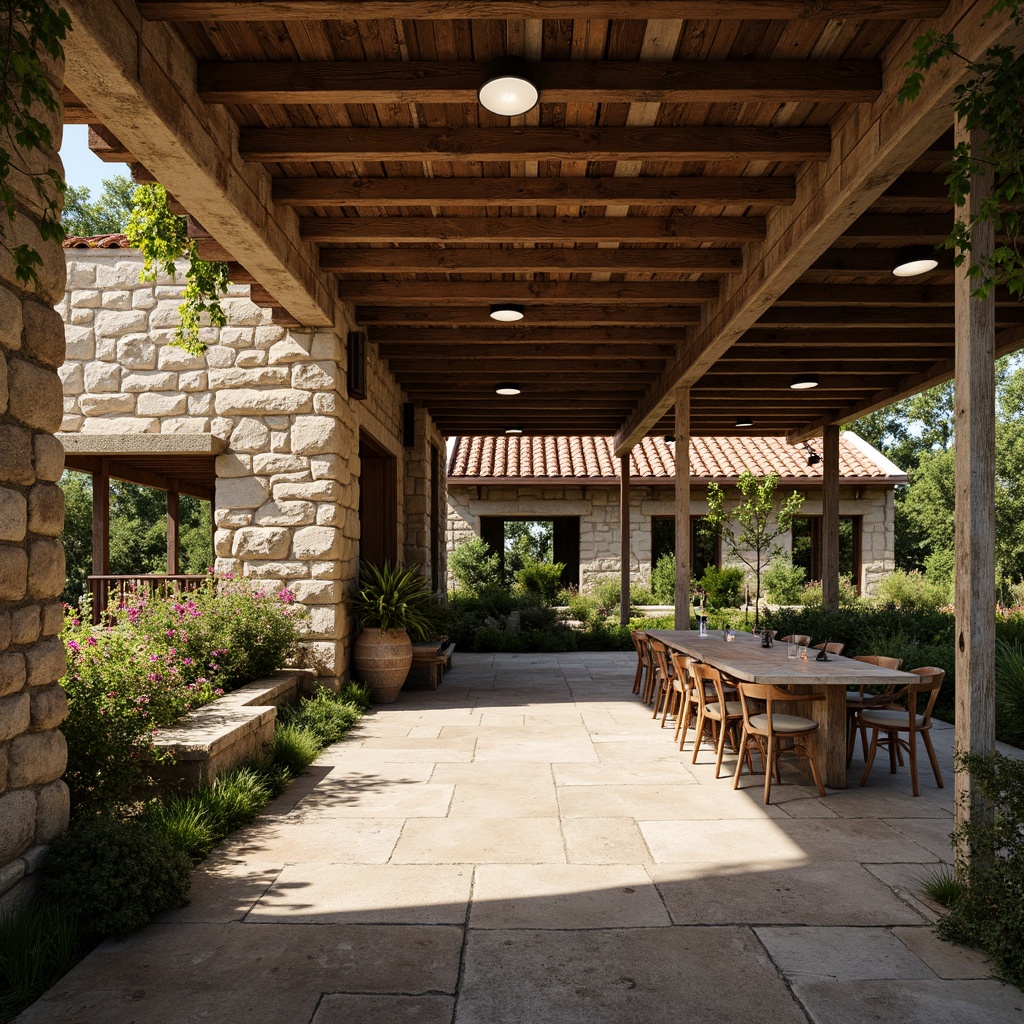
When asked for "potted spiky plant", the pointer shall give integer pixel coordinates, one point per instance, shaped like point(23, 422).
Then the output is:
point(391, 603)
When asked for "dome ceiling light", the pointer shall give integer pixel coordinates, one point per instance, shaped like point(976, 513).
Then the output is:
point(509, 89)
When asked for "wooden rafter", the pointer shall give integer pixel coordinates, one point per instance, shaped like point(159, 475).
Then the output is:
point(739, 142)
point(472, 293)
point(539, 314)
point(578, 81)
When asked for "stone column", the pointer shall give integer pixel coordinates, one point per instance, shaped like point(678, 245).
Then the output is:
point(33, 799)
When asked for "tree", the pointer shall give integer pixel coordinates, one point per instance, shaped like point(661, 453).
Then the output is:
point(77, 535)
point(107, 215)
point(760, 525)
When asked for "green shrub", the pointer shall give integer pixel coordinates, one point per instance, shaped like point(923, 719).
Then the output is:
point(295, 748)
point(326, 716)
point(582, 607)
point(783, 582)
point(608, 595)
point(663, 580)
point(811, 595)
point(912, 591)
point(989, 910)
point(539, 580)
point(721, 586)
point(1010, 691)
point(473, 567)
point(114, 874)
point(356, 694)
point(642, 595)
point(39, 944)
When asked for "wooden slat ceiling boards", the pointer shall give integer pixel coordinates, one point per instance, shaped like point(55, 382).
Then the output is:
point(709, 193)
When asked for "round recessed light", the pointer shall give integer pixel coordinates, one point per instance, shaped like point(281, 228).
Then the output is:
point(514, 430)
point(508, 88)
point(507, 312)
point(744, 421)
point(804, 382)
point(913, 261)
point(508, 388)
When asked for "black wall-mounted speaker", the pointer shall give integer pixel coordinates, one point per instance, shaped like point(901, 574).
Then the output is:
point(357, 365)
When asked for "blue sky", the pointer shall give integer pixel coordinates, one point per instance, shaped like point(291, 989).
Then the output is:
point(80, 166)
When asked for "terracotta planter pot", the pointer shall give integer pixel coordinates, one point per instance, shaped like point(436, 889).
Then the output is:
point(383, 660)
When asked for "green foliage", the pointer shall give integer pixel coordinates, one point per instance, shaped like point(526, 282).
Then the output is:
point(474, 567)
point(325, 716)
point(989, 101)
point(114, 874)
point(783, 581)
point(942, 886)
point(525, 542)
point(162, 237)
point(106, 215)
point(911, 590)
point(162, 657)
point(357, 694)
point(1010, 691)
point(393, 598)
point(759, 522)
point(608, 596)
point(812, 594)
point(31, 33)
point(722, 587)
point(39, 944)
point(663, 580)
point(77, 534)
point(539, 580)
point(295, 748)
point(989, 911)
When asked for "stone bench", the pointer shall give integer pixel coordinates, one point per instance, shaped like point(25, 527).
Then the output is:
point(237, 727)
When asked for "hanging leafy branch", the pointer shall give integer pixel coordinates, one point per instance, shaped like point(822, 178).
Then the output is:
point(30, 27)
point(991, 100)
point(162, 237)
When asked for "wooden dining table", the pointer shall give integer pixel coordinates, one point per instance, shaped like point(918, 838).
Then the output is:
point(745, 660)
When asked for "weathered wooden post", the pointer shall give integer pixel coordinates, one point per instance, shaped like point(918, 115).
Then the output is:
point(683, 554)
point(830, 518)
point(624, 555)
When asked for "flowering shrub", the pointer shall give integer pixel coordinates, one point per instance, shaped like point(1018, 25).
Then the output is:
point(153, 660)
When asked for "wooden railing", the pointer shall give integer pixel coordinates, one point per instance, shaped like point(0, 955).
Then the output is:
point(101, 587)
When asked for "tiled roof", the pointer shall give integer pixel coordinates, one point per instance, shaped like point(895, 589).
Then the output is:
point(711, 458)
point(115, 241)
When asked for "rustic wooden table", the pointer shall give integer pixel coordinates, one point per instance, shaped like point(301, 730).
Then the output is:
point(745, 659)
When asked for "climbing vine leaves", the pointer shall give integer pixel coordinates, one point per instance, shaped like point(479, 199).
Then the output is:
point(990, 100)
point(162, 237)
point(28, 28)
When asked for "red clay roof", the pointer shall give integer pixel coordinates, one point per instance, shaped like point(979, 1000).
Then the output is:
point(711, 458)
point(115, 241)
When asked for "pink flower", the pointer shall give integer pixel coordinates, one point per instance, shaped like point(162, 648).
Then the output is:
point(73, 646)
point(284, 594)
point(91, 641)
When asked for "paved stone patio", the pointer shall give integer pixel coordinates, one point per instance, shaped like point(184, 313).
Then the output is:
point(525, 844)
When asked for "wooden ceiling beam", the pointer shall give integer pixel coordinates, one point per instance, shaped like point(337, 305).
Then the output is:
point(105, 145)
point(75, 111)
point(742, 355)
point(470, 293)
point(872, 147)
point(359, 193)
point(514, 261)
point(736, 142)
point(537, 315)
point(851, 317)
point(425, 369)
point(897, 229)
point(911, 292)
point(403, 229)
point(500, 10)
point(848, 262)
point(845, 339)
point(274, 83)
point(524, 352)
point(581, 335)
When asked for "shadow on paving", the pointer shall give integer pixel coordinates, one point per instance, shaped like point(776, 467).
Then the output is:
point(526, 845)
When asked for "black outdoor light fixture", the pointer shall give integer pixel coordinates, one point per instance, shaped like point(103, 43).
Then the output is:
point(804, 382)
point(911, 262)
point(508, 388)
point(813, 458)
point(507, 312)
point(744, 421)
point(509, 87)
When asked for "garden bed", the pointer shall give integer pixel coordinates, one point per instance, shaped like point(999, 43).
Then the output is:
point(209, 741)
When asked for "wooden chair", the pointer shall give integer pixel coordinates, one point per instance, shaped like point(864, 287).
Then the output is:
point(714, 709)
point(765, 731)
point(680, 694)
point(643, 660)
point(855, 700)
point(662, 674)
point(831, 648)
point(796, 638)
point(894, 721)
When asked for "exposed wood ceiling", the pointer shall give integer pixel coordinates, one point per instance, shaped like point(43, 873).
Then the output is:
point(630, 212)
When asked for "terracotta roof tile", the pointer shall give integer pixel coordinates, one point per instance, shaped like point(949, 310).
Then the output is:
point(115, 241)
point(711, 458)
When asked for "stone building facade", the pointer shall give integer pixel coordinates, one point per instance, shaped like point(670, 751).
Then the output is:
point(549, 478)
point(33, 799)
point(287, 480)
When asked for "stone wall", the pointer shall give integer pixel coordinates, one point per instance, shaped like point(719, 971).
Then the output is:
point(419, 497)
point(33, 754)
point(598, 509)
point(287, 496)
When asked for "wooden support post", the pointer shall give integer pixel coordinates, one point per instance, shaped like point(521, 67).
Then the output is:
point(624, 553)
point(100, 535)
point(683, 554)
point(830, 519)
point(173, 503)
point(975, 522)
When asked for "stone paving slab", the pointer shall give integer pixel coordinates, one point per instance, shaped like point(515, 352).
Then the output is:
point(527, 845)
